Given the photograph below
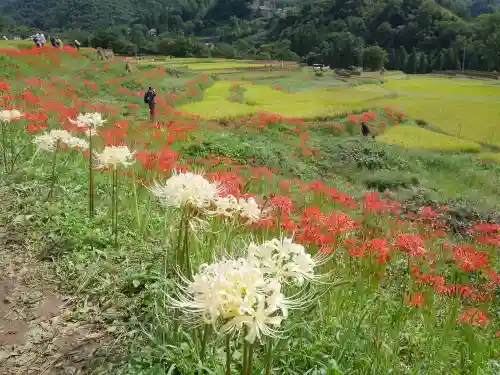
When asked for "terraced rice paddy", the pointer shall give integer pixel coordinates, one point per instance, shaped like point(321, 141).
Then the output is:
point(416, 137)
point(329, 102)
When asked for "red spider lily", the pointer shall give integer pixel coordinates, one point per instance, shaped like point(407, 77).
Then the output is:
point(4, 87)
point(416, 300)
point(231, 182)
point(413, 244)
point(338, 223)
point(485, 228)
point(283, 204)
point(428, 279)
point(368, 116)
point(468, 259)
point(353, 119)
point(380, 248)
point(493, 240)
point(373, 204)
point(474, 317)
point(288, 225)
point(428, 213)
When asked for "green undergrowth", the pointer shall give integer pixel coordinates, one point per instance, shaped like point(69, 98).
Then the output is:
point(362, 326)
point(427, 177)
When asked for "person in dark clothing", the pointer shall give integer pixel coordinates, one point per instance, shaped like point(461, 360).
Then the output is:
point(53, 41)
point(365, 130)
point(150, 100)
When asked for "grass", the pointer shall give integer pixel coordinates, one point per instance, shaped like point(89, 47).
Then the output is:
point(417, 137)
point(384, 305)
point(16, 44)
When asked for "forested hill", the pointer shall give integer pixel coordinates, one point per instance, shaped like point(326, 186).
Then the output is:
point(96, 14)
point(338, 32)
point(413, 35)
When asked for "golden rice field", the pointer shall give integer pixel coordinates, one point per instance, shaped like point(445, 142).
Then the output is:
point(411, 136)
point(326, 102)
point(468, 110)
point(470, 118)
point(208, 65)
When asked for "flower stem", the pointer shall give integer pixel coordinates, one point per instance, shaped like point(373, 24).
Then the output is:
point(91, 180)
point(53, 176)
point(4, 146)
point(269, 357)
point(250, 360)
point(186, 249)
point(113, 202)
point(206, 333)
point(245, 358)
point(228, 356)
point(137, 215)
point(116, 207)
point(179, 249)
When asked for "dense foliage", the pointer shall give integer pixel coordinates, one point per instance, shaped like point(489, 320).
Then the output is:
point(413, 35)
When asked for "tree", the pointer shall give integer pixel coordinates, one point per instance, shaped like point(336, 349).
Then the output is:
point(438, 63)
point(374, 58)
point(385, 34)
point(452, 62)
point(138, 34)
point(423, 65)
point(411, 66)
point(224, 50)
point(393, 62)
point(402, 57)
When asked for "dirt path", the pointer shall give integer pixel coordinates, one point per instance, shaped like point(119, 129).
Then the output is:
point(41, 331)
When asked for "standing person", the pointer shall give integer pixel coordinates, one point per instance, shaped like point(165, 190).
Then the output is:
point(36, 39)
point(77, 45)
point(59, 43)
point(150, 100)
point(53, 41)
point(365, 130)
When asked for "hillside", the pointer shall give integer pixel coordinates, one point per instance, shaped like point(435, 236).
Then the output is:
point(246, 227)
point(416, 36)
point(96, 14)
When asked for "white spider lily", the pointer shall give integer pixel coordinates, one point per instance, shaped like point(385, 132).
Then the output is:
point(114, 156)
point(250, 210)
point(49, 141)
point(283, 260)
point(90, 121)
point(225, 206)
point(8, 116)
point(45, 142)
point(186, 189)
point(229, 206)
point(258, 322)
point(234, 293)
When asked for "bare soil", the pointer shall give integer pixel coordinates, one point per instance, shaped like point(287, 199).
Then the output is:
point(41, 331)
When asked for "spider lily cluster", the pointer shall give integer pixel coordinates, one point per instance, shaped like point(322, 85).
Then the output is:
point(246, 296)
